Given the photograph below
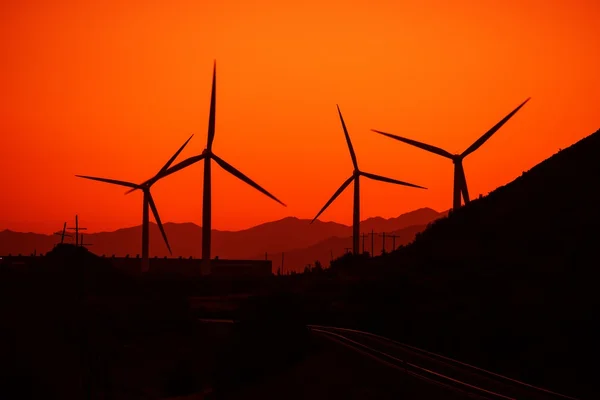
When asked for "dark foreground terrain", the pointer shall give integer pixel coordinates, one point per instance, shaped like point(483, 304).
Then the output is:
point(507, 283)
point(332, 371)
point(73, 328)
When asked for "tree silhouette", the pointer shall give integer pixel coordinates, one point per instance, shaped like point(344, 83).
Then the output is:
point(318, 267)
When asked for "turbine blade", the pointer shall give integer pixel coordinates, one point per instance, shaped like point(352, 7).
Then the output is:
point(159, 175)
point(352, 154)
point(211, 117)
point(489, 133)
point(227, 167)
point(168, 164)
point(113, 181)
point(185, 163)
point(158, 222)
point(390, 180)
point(335, 195)
point(424, 146)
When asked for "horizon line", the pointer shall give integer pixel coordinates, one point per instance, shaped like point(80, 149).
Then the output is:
point(88, 232)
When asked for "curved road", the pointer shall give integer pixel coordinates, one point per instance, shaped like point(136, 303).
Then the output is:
point(436, 369)
point(378, 367)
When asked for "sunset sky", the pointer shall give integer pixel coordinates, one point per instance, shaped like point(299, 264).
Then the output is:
point(113, 88)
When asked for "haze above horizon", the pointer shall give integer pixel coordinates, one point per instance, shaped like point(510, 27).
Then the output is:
point(419, 211)
point(112, 90)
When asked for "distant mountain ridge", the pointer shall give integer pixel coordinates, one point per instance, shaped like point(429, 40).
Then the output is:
point(334, 247)
point(306, 242)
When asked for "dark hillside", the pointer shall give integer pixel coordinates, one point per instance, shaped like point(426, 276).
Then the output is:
point(507, 282)
point(548, 206)
point(64, 321)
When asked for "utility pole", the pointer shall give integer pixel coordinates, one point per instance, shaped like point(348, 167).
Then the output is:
point(372, 242)
point(84, 243)
point(282, 273)
point(393, 241)
point(383, 246)
point(63, 234)
point(77, 229)
point(331, 251)
point(364, 235)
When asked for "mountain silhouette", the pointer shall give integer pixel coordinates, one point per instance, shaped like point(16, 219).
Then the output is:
point(297, 259)
point(549, 214)
point(287, 234)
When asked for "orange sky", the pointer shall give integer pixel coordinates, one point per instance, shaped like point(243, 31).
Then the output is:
point(113, 90)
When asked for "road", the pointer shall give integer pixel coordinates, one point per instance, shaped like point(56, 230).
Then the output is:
point(435, 368)
point(332, 371)
point(377, 367)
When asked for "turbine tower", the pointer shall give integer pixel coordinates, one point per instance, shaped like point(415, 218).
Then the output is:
point(208, 155)
point(460, 181)
point(355, 178)
point(147, 202)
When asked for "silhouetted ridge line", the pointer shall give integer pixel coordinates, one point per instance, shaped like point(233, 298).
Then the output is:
point(69, 250)
point(557, 189)
point(508, 282)
point(302, 243)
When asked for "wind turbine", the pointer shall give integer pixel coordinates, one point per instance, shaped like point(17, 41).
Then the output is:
point(355, 178)
point(460, 181)
point(208, 155)
point(148, 201)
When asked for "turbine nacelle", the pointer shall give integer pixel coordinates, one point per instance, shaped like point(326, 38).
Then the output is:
point(148, 200)
point(207, 155)
point(146, 185)
point(460, 182)
point(167, 170)
point(355, 180)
